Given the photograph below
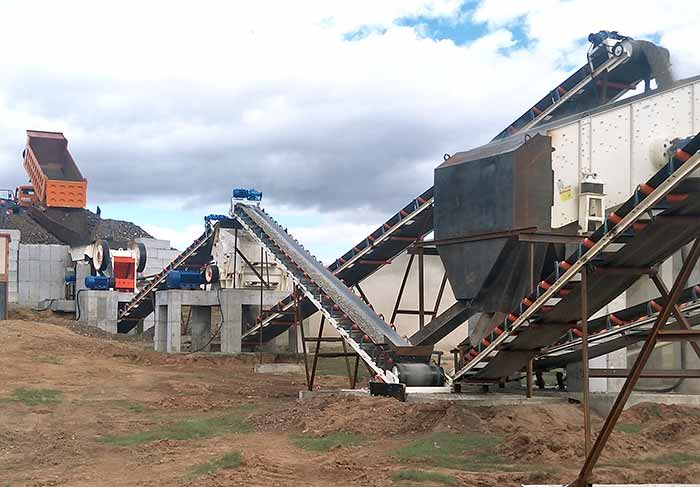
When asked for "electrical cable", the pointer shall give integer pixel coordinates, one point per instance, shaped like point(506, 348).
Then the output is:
point(218, 328)
point(77, 304)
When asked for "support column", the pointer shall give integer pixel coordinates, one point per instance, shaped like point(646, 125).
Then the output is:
point(161, 329)
point(174, 322)
point(232, 313)
point(200, 328)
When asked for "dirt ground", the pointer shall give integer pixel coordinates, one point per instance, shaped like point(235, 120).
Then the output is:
point(80, 409)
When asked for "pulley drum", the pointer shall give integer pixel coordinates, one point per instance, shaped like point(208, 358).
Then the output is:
point(417, 374)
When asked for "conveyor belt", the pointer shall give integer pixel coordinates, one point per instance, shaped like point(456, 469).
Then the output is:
point(142, 304)
point(645, 231)
point(364, 331)
point(615, 330)
point(614, 75)
point(404, 228)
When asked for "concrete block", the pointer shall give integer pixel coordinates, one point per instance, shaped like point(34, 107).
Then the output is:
point(12, 276)
point(12, 297)
point(59, 253)
point(160, 333)
point(23, 271)
point(12, 265)
point(45, 252)
point(34, 272)
point(23, 252)
point(44, 291)
point(63, 306)
point(34, 252)
point(154, 243)
point(45, 273)
point(279, 369)
point(23, 297)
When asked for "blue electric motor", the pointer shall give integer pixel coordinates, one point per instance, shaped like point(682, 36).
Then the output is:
point(101, 283)
point(247, 194)
point(184, 280)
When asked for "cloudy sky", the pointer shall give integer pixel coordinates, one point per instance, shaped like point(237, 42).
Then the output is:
point(337, 110)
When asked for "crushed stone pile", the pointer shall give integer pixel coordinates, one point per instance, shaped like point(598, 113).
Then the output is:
point(77, 221)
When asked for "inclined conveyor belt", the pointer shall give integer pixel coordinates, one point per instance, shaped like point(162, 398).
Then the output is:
point(390, 356)
point(142, 305)
point(405, 227)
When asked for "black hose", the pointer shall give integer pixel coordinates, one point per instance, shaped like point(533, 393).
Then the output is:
point(77, 304)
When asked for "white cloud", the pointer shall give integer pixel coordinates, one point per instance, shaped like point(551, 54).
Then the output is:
point(179, 238)
point(178, 102)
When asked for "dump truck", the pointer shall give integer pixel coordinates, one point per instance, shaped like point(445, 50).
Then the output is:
point(55, 177)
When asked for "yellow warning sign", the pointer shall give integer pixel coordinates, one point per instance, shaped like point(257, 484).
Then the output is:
point(566, 193)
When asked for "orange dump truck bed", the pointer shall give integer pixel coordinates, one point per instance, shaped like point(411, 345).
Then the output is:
point(55, 176)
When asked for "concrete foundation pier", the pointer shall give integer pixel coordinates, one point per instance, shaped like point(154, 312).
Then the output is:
point(234, 304)
point(100, 308)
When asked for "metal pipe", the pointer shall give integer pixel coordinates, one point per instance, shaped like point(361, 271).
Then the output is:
point(421, 289)
point(235, 256)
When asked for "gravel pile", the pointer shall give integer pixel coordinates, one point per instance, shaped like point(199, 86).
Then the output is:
point(82, 221)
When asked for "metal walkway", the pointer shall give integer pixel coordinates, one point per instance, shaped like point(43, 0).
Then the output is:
point(142, 305)
point(658, 219)
point(363, 330)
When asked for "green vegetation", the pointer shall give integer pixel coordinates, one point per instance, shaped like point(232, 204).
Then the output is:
point(228, 461)
point(472, 453)
point(630, 428)
point(338, 367)
point(676, 459)
point(35, 397)
point(184, 430)
point(50, 359)
point(420, 476)
point(325, 443)
point(134, 407)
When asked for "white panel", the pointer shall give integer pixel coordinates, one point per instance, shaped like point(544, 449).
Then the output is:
point(615, 144)
point(665, 115)
point(610, 154)
point(565, 164)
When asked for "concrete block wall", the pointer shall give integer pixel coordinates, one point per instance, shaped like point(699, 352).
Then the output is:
point(13, 266)
point(159, 254)
point(41, 271)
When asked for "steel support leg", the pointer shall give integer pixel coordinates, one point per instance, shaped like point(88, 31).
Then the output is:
point(647, 348)
point(682, 320)
point(317, 350)
point(584, 361)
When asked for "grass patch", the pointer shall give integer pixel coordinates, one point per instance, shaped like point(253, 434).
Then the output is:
point(134, 407)
point(676, 459)
point(338, 367)
point(227, 462)
point(630, 428)
point(188, 429)
point(420, 476)
point(325, 443)
point(35, 397)
point(473, 453)
point(50, 359)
